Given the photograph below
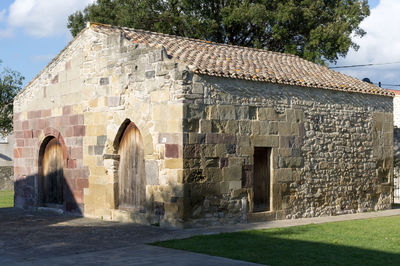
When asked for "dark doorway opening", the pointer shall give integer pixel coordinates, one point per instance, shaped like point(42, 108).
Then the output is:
point(262, 179)
point(52, 161)
point(131, 170)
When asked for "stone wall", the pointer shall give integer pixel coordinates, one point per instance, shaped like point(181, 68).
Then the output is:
point(332, 151)
point(84, 98)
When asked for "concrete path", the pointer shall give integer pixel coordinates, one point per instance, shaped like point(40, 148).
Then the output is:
point(48, 239)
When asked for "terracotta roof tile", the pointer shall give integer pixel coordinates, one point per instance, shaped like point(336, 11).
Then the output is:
point(231, 61)
point(396, 92)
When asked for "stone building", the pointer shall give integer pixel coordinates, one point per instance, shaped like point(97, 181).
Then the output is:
point(137, 126)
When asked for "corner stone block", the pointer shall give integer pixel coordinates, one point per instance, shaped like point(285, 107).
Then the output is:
point(283, 175)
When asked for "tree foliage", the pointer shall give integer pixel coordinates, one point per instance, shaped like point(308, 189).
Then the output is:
point(10, 85)
point(317, 30)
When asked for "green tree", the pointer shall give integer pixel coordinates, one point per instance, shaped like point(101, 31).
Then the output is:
point(317, 30)
point(10, 85)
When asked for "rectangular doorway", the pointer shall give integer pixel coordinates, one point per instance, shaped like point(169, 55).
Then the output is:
point(262, 179)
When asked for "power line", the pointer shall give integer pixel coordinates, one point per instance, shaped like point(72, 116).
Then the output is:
point(391, 85)
point(366, 65)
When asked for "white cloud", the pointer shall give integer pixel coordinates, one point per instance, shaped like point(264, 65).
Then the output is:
point(381, 44)
point(43, 18)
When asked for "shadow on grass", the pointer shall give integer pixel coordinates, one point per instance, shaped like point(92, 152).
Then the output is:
point(270, 249)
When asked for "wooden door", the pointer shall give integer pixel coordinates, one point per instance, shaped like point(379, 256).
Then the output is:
point(132, 186)
point(262, 179)
point(53, 176)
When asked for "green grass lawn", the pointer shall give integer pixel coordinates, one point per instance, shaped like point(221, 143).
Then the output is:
point(361, 242)
point(6, 199)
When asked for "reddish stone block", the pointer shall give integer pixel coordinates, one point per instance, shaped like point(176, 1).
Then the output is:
point(34, 114)
point(30, 142)
point(71, 163)
point(28, 134)
point(17, 125)
point(36, 133)
point(49, 131)
point(19, 134)
point(16, 116)
point(31, 114)
point(69, 179)
point(67, 110)
point(171, 150)
point(79, 130)
point(33, 124)
point(45, 113)
point(76, 119)
point(27, 152)
point(19, 142)
point(51, 121)
point(69, 132)
point(58, 122)
point(42, 123)
point(76, 153)
point(17, 152)
point(82, 183)
point(78, 196)
point(25, 125)
point(65, 121)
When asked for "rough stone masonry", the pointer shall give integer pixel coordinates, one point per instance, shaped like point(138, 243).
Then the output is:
point(329, 137)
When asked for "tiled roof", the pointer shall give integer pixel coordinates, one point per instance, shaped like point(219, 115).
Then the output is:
point(231, 61)
point(396, 92)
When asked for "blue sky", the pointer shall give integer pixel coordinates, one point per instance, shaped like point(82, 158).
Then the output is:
point(32, 32)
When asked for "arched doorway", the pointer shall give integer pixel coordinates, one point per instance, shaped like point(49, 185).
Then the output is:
point(131, 170)
point(52, 162)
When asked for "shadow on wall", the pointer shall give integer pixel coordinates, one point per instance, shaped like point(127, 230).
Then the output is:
point(50, 191)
